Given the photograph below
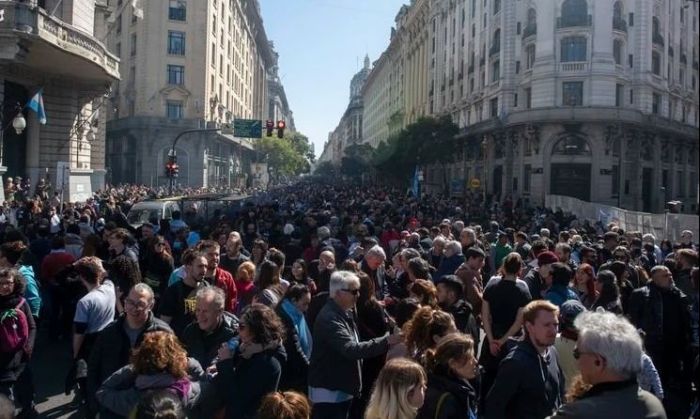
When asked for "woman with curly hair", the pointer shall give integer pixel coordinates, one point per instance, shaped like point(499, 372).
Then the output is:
point(287, 405)
point(159, 362)
point(425, 292)
point(250, 365)
point(398, 392)
point(425, 329)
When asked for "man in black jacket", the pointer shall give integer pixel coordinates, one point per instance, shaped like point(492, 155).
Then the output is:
point(335, 370)
point(115, 342)
point(212, 327)
point(449, 293)
point(530, 383)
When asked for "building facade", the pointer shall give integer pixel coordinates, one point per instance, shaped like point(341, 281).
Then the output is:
point(187, 65)
point(594, 99)
point(55, 47)
point(278, 108)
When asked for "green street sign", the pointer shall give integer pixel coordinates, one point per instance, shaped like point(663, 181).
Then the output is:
point(247, 128)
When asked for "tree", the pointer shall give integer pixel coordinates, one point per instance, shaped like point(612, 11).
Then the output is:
point(284, 155)
point(356, 160)
point(325, 169)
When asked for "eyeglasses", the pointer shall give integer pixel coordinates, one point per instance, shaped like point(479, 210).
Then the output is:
point(135, 304)
point(6, 283)
point(354, 292)
point(577, 354)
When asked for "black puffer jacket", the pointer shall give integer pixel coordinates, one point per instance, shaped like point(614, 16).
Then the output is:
point(204, 347)
point(448, 397)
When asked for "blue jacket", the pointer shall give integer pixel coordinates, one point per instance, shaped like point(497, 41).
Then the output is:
point(32, 292)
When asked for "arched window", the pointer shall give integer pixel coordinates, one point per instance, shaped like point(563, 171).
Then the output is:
point(617, 10)
point(531, 17)
point(574, 13)
point(572, 145)
point(655, 28)
point(496, 44)
point(573, 49)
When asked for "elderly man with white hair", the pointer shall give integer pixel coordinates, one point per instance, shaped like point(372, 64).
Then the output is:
point(334, 370)
point(608, 353)
point(373, 265)
point(651, 239)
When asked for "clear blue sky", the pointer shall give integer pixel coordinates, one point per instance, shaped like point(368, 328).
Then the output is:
point(322, 44)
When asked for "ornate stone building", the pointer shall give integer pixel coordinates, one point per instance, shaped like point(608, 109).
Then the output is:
point(55, 46)
point(188, 64)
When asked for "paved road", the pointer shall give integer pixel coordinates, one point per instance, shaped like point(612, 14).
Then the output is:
point(50, 365)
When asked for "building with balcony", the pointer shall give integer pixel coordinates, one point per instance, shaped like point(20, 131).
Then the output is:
point(594, 99)
point(278, 107)
point(56, 46)
point(189, 64)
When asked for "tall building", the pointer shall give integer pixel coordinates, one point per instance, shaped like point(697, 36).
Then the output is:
point(349, 130)
point(278, 107)
point(55, 47)
point(188, 64)
point(595, 99)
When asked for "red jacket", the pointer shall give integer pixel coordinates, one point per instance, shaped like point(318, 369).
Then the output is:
point(224, 280)
point(53, 263)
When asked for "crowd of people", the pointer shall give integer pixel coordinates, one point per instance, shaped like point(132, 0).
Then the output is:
point(340, 301)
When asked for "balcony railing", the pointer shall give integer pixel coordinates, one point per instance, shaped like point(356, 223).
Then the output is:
point(530, 30)
point(573, 67)
point(619, 24)
point(657, 39)
point(495, 49)
point(572, 21)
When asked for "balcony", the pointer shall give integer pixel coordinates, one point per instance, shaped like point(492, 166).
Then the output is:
point(530, 30)
point(573, 67)
point(495, 49)
point(31, 38)
point(657, 39)
point(574, 21)
point(619, 24)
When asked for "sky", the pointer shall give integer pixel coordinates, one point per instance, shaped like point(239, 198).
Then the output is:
point(321, 45)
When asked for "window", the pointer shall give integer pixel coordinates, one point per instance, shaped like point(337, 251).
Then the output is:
point(631, 19)
point(530, 56)
point(573, 48)
point(528, 98)
point(631, 97)
point(656, 103)
point(526, 178)
point(493, 104)
point(495, 71)
point(496, 42)
point(213, 54)
point(630, 60)
point(517, 67)
point(615, 180)
point(177, 10)
point(619, 94)
point(518, 28)
point(572, 93)
point(174, 109)
point(176, 74)
point(176, 43)
point(515, 100)
point(617, 51)
point(118, 50)
point(118, 24)
point(656, 63)
point(133, 44)
point(496, 6)
point(574, 13)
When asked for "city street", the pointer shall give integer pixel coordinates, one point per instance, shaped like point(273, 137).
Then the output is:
point(51, 361)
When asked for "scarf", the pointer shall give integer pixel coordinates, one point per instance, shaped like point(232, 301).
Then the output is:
point(300, 325)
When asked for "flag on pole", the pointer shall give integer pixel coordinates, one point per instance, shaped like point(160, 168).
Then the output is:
point(416, 185)
point(137, 11)
point(36, 103)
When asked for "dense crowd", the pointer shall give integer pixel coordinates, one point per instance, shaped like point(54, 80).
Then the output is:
point(329, 301)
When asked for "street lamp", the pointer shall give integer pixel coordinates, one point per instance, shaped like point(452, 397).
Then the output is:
point(18, 121)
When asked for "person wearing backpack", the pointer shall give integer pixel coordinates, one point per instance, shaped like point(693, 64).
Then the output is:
point(17, 334)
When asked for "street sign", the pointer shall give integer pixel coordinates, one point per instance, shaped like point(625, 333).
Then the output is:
point(475, 183)
point(247, 128)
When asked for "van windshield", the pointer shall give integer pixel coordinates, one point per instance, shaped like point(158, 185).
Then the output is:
point(141, 216)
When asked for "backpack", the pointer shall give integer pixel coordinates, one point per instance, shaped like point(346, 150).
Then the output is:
point(14, 329)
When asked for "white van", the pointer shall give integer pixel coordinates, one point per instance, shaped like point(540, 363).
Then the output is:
point(144, 211)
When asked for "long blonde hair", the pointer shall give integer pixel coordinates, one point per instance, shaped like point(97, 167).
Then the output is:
point(390, 394)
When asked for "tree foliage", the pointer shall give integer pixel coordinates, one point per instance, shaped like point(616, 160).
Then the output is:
point(288, 156)
point(356, 160)
point(427, 141)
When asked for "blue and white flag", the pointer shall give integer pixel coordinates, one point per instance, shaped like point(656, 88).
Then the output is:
point(37, 105)
point(415, 187)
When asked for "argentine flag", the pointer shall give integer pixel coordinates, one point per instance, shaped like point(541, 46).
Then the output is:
point(37, 105)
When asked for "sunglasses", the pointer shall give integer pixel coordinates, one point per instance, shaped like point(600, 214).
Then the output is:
point(354, 292)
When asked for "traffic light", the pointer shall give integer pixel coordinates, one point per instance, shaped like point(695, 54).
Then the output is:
point(280, 128)
point(270, 126)
point(171, 167)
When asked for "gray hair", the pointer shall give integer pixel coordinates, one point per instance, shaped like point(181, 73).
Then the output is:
point(409, 253)
point(544, 232)
point(143, 288)
point(217, 294)
point(649, 238)
point(340, 280)
point(323, 233)
point(469, 232)
point(613, 338)
point(658, 268)
point(376, 251)
point(454, 247)
point(440, 241)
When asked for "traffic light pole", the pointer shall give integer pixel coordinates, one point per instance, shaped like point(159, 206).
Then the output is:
point(172, 150)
